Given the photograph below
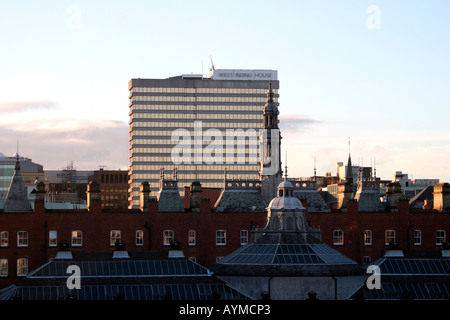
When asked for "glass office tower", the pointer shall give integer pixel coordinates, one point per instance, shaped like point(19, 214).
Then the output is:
point(200, 126)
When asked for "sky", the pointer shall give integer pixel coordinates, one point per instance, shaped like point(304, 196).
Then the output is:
point(374, 72)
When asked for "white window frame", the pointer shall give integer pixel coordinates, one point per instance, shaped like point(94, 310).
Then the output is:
point(22, 267)
point(52, 238)
point(243, 237)
point(77, 238)
point(4, 241)
point(22, 238)
point(367, 237)
point(3, 267)
point(168, 237)
point(221, 237)
point(192, 238)
point(115, 236)
point(139, 238)
point(417, 237)
point(338, 237)
point(441, 237)
point(386, 237)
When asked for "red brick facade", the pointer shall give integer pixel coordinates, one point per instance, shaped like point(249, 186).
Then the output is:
point(96, 225)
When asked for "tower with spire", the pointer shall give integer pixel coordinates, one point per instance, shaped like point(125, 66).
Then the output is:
point(17, 198)
point(346, 188)
point(270, 149)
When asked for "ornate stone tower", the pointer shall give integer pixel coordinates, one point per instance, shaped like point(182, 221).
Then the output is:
point(270, 148)
point(345, 189)
point(286, 220)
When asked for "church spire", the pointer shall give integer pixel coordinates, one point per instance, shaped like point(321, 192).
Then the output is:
point(349, 172)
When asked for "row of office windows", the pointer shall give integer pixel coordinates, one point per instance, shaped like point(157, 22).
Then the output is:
point(389, 237)
point(187, 159)
point(230, 168)
point(215, 98)
point(134, 187)
point(221, 150)
point(201, 90)
point(198, 116)
point(226, 143)
point(163, 108)
point(221, 237)
point(190, 124)
point(249, 133)
point(22, 238)
point(191, 177)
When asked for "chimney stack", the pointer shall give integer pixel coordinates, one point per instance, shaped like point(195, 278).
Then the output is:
point(39, 201)
point(441, 195)
point(196, 196)
point(393, 196)
point(144, 195)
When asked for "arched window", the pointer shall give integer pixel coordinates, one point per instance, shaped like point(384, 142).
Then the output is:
point(289, 224)
point(276, 224)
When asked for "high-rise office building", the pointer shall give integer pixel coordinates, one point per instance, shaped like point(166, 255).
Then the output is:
point(200, 126)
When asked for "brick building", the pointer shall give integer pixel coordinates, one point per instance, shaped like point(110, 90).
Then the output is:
point(31, 235)
point(113, 186)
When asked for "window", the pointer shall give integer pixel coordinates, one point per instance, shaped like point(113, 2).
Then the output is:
point(389, 237)
point(338, 237)
point(219, 258)
point(417, 237)
point(139, 238)
point(77, 238)
point(52, 238)
point(191, 237)
point(3, 267)
point(115, 236)
point(22, 238)
point(244, 237)
point(367, 237)
point(367, 259)
point(22, 267)
point(4, 238)
point(221, 237)
point(168, 237)
point(440, 237)
point(193, 259)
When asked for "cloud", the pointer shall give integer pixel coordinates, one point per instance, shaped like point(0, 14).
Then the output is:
point(292, 123)
point(57, 141)
point(21, 106)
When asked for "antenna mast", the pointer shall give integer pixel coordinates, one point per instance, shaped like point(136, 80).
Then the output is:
point(212, 63)
point(285, 169)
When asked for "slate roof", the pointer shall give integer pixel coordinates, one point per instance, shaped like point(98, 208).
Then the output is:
point(240, 201)
point(240, 196)
point(368, 197)
point(410, 278)
point(149, 277)
point(418, 200)
point(315, 201)
point(170, 201)
point(17, 198)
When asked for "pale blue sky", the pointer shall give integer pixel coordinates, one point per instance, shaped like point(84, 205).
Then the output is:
point(65, 67)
